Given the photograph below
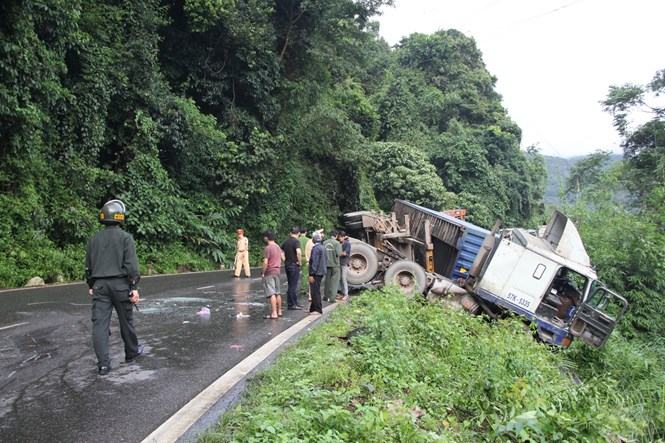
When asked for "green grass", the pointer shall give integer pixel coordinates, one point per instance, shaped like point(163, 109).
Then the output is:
point(418, 372)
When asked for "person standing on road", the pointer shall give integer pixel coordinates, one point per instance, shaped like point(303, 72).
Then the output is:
point(112, 274)
point(304, 263)
point(317, 269)
point(308, 253)
point(242, 254)
point(333, 251)
point(292, 259)
point(272, 261)
point(344, 265)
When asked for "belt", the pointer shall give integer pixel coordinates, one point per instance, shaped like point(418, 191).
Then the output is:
point(112, 277)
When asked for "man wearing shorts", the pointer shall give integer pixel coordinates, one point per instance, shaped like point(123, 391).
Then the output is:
point(272, 261)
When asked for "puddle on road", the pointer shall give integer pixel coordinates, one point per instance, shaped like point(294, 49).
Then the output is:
point(184, 300)
point(130, 374)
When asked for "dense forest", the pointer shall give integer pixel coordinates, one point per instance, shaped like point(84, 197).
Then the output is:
point(208, 115)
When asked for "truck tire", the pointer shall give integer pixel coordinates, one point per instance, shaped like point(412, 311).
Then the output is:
point(363, 264)
point(409, 276)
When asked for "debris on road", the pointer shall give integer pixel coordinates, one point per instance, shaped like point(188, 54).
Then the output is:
point(204, 312)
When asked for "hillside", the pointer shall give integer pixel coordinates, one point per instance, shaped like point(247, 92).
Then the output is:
point(558, 170)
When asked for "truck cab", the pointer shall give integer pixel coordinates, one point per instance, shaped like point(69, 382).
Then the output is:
point(549, 280)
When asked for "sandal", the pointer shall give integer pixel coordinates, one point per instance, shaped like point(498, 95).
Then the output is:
point(270, 317)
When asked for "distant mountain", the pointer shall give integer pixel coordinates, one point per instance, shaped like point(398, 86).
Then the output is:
point(558, 170)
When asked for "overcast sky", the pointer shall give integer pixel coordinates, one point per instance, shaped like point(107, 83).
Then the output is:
point(554, 59)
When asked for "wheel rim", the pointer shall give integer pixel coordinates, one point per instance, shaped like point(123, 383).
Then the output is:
point(405, 280)
point(358, 264)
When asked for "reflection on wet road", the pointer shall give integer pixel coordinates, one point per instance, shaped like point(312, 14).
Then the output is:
point(195, 327)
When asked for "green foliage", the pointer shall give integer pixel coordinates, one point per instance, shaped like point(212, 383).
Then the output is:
point(169, 258)
point(399, 171)
point(353, 101)
point(412, 371)
point(631, 374)
point(204, 14)
point(486, 164)
point(452, 63)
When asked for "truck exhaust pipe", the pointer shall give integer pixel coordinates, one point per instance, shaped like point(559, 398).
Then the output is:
point(442, 287)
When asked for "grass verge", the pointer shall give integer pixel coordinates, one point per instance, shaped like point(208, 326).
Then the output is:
point(386, 368)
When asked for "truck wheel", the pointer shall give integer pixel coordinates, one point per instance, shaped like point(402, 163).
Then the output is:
point(363, 264)
point(407, 275)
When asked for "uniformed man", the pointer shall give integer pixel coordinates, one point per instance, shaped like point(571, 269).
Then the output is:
point(344, 265)
point(242, 254)
point(112, 274)
point(333, 250)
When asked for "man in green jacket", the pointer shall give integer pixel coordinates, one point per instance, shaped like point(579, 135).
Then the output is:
point(333, 250)
point(112, 274)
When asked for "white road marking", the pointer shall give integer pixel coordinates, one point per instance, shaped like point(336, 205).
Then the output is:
point(205, 287)
point(173, 428)
point(14, 325)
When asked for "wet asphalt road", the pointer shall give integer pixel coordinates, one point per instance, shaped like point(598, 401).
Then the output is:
point(49, 388)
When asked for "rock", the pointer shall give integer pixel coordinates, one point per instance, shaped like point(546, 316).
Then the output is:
point(35, 281)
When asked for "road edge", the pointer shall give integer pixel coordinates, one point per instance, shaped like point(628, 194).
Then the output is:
point(179, 423)
point(82, 282)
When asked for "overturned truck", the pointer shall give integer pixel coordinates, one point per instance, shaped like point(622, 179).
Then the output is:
point(545, 277)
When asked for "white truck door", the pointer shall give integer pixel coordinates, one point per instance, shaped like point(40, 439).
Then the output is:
point(518, 276)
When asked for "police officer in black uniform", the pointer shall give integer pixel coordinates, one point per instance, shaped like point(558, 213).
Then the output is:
point(112, 274)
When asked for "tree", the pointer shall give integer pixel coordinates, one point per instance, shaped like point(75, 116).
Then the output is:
point(587, 173)
point(643, 144)
point(399, 171)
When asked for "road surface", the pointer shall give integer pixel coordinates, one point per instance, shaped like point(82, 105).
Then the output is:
point(49, 387)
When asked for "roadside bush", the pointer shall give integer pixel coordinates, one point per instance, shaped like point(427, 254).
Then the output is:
point(385, 368)
point(629, 372)
point(173, 257)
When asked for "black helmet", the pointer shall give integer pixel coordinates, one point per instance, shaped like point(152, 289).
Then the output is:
point(112, 213)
